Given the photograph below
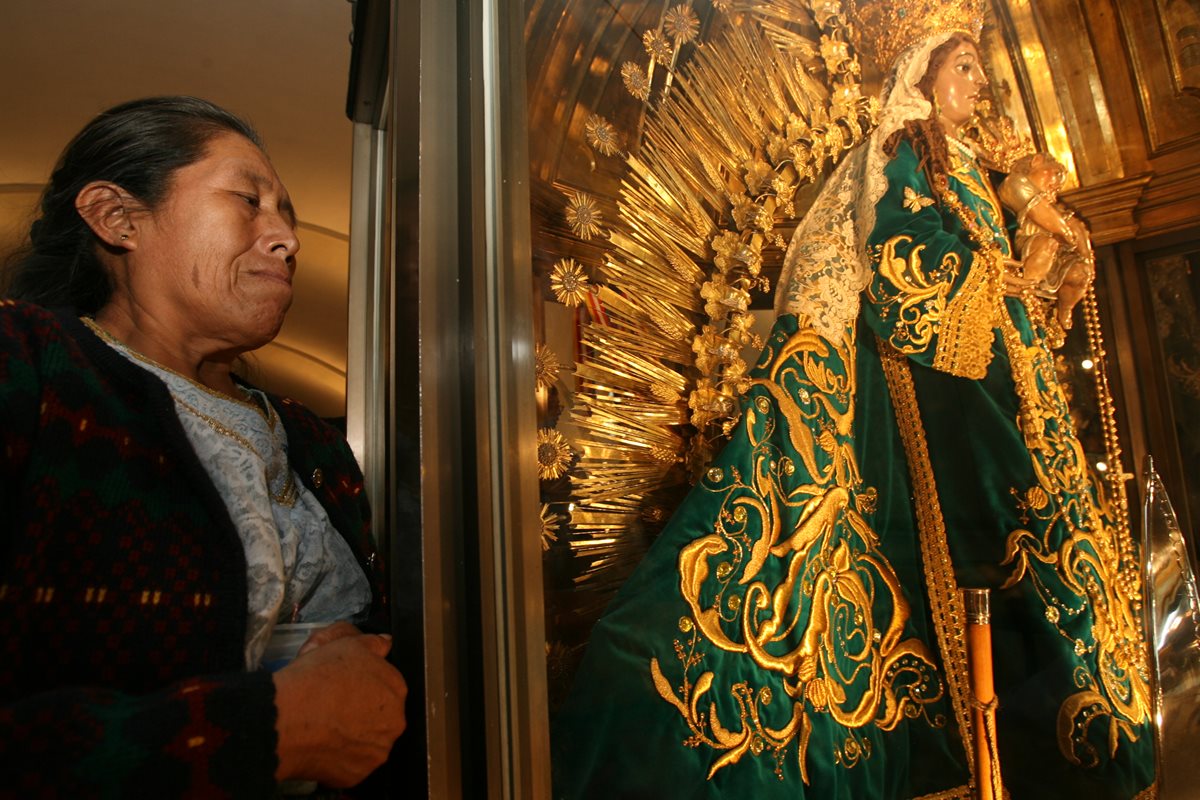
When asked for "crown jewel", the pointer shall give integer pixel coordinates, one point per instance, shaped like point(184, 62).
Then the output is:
point(883, 29)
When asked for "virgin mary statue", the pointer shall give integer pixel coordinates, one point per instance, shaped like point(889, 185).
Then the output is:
point(798, 630)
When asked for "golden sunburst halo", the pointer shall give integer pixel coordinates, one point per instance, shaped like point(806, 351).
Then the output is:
point(601, 135)
point(545, 366)
point(635, 80)
point(550, 523)
point(569, 282)
point(583, 215)
point(553, 454)
point(681, 24)
point(657, 46)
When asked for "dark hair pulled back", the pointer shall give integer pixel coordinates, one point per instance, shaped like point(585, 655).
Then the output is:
point(926, 135)
point(137, 145)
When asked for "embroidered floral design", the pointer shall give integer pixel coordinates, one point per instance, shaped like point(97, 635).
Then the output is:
point(792, 577)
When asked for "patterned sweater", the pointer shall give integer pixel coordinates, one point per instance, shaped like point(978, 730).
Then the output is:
point(123, 580)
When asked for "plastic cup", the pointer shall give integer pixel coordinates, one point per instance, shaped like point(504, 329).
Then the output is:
point(282, 647)
point(285, 643)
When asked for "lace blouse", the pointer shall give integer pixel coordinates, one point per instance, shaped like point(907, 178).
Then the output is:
point(299, 568)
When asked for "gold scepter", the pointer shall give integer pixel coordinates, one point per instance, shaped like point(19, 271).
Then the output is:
point(983, 704)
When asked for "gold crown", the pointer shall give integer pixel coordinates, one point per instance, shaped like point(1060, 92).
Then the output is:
point(883, 29)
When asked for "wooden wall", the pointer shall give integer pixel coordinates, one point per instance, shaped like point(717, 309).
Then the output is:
point(1122, 79)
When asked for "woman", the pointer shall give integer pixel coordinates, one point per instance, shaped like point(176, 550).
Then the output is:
point(160, 514)
point(797, 630)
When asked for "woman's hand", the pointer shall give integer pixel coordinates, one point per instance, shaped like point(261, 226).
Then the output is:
point(340, 707)
point(326, 635)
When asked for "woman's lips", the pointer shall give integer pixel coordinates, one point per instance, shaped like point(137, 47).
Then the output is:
point(284, 277)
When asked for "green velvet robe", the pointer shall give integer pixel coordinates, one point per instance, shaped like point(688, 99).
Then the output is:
point(797, 630)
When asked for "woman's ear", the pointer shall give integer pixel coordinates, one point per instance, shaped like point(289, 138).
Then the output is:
point(105, 207)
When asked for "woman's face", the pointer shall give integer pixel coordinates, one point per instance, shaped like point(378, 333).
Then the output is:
point(216, 257)
point(956, 86)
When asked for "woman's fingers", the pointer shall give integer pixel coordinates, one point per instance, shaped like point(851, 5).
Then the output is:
point(326, 635)
point(340, 708)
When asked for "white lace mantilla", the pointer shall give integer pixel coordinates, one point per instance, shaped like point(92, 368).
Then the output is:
point(826, 266)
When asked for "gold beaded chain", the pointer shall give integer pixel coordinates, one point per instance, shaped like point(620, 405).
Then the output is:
point(1116, 475)
point(287, 495)
point(244, 401)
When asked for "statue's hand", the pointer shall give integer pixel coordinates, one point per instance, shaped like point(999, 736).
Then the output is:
point(1014, 282)
point(1080, 239)
point(1075, 285)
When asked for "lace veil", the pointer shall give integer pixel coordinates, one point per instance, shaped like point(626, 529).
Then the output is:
point(826, 265)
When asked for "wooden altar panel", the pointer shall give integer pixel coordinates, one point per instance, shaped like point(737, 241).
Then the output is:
point(1158, 34)
point(1125, 81)
point(1059, 63)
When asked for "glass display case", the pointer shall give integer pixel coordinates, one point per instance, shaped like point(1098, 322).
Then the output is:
point(572, 216)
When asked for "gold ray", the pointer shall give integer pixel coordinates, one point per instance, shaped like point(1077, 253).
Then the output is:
point(756, 111)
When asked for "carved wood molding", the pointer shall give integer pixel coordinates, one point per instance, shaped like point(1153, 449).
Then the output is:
point(1171, 202)
point(1108, 208)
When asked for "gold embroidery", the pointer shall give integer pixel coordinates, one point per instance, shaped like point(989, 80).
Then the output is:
point(754, 737)
point(964, 346)
point(924, 307)
point(921, 301)
point(965, 340)
point(1031, 415)
point(819, 587)
point(967, 172)
point(287, 494)
point(957, 793)
point(945, 602)
point(1096, 564)
point(1076, 552)
point(249, 400)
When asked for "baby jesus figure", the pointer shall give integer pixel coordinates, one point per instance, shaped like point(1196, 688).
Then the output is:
point(1052, 242)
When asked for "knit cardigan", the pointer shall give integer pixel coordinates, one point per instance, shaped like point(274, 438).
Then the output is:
point(123, 581)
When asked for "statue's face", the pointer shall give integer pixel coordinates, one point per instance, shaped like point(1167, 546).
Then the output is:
point(1046, 173)
point(957, 85)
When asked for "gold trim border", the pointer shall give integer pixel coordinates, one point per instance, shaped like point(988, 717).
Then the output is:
point(946, 609)
point(957, 793)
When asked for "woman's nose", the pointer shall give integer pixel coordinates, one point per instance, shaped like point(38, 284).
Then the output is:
point(282, 237)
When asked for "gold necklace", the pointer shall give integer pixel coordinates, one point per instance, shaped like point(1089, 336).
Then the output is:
point(245, 401)
point(963, 146)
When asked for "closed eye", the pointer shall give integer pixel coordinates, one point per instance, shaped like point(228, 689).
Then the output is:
point(251, 199)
